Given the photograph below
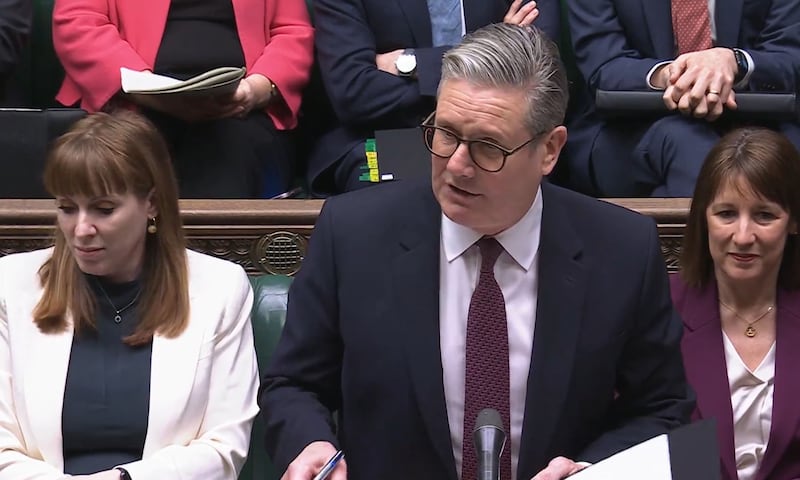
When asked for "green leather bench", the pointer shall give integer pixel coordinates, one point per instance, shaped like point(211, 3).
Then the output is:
point(268, 317)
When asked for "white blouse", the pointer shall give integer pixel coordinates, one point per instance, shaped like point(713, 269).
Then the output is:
point(751, 400)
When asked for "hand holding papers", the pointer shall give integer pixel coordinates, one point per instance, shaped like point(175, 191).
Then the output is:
point(218, 93)
point(219, 81)
point(687, 453)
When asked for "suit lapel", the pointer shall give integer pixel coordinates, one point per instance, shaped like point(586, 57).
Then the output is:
point(174, 364)
point(45, 380)
point(728, 17)
point(785, 404)
point(418, 20)
point(704, 358)
point(415, 275)
point(658, 16)
point(562, 286)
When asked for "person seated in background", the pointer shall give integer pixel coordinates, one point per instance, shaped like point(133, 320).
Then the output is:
point(420, 302)
point(700, 53)
point(16, 17)
point(234, 146)
point(381, 62)
point(122, 354)
point(738, 292)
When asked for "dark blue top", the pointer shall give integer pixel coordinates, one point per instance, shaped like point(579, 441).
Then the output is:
point(107, 395)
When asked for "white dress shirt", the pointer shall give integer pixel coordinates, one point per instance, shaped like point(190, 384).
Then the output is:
point(713, 22)
point(751, 400)
point(517, 275)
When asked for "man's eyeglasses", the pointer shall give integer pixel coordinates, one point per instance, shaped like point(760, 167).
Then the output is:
point(486, 155)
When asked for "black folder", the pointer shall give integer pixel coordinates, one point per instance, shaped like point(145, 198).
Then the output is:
point(402, 154)
point(689, 453)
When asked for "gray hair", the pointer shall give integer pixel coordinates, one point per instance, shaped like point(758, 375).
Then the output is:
point(510, 56)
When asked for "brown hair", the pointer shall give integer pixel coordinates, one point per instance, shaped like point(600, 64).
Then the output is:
point(117, 153)
point(770, 165)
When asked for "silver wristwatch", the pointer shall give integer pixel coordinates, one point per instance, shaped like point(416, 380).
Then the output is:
point(406, 63)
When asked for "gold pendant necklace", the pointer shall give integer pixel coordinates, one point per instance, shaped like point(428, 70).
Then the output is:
point(750, 331)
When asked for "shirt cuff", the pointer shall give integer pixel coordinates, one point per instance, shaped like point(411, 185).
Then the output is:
point(653, 70)
point(751, 66)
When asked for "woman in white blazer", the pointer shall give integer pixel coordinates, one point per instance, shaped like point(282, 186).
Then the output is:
point(122, 354)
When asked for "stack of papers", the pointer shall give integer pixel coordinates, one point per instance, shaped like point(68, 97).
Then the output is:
point(219, 81)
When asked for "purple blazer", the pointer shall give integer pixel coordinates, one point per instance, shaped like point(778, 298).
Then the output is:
point(704, 360)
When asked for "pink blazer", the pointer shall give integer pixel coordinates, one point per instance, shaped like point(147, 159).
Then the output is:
point(704, 360)
point(94, 38)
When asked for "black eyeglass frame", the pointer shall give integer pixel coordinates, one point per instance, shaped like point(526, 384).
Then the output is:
point(426, 126)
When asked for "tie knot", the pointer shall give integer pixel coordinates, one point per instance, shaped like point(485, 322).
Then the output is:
point(490, 249)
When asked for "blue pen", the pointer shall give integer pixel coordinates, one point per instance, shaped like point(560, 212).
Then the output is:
point(327, 469)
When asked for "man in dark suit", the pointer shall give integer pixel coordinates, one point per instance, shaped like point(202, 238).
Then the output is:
point(380, 62)
point(15, 27)
point(698, 52)
point(570, 335)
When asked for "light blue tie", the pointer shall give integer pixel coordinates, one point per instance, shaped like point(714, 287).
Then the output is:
point(445, 21)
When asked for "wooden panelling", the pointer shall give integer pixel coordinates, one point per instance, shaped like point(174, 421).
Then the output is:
point(272, 235)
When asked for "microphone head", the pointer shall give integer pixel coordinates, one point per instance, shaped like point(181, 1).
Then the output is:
point(489, 439)
point(488, 417)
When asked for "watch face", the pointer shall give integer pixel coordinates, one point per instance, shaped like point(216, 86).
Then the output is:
point(406, 63)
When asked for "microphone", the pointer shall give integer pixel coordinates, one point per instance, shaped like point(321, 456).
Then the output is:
point(489, 438)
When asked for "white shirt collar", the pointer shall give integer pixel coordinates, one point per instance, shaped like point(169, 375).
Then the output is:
point(521, 240)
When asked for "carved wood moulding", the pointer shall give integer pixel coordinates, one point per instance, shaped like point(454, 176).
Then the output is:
point(271, 236)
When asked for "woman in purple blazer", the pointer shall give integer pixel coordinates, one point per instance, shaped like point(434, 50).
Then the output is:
point(739, 295)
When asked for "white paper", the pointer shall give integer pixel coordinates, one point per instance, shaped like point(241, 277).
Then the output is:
point(133, 81)
point(648, 460)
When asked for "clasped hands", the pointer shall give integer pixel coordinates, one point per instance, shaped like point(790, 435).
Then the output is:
point(306, 465)
point(253, 92)
point(699, 83)
point(517, 14)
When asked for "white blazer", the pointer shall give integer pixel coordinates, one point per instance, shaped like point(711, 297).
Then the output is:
point(203, 383)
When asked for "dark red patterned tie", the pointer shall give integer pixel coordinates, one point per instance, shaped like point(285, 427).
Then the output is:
point(691, 25)
point(487, 379)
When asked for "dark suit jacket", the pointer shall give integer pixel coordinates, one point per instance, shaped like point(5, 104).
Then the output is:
point(617, 42)
point(362, 337)
point(349, 33)
point(704, 357)
point(15, 26)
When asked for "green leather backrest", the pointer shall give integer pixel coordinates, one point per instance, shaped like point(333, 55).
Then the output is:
point(268, 316)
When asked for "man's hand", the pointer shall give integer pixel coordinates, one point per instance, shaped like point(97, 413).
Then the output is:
point(558, 468)
point(701, 83)
point(522, 15)
point(311, 460)
point(386, 61)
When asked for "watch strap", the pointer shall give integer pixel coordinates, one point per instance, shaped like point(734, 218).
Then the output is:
point(123, 474)
point(741, 65)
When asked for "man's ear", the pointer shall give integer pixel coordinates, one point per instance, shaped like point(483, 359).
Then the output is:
point(553, 143)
